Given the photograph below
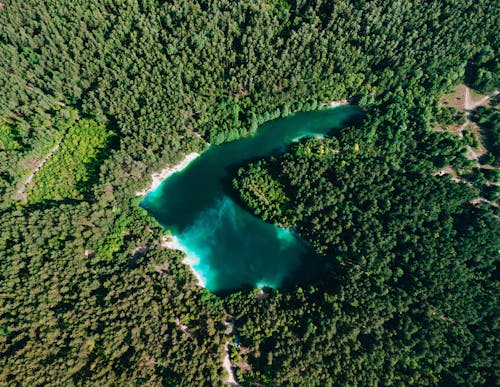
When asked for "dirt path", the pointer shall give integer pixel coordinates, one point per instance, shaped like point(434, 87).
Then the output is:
point(28, 181)
point(470, 105)
point(467, 101)
point(483, 200)
point(450, 171)
point(483, 101)
point(231, 381)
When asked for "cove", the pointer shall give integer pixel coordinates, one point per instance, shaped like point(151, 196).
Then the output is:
point(228, 247)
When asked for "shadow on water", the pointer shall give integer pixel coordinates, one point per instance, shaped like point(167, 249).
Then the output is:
point(227, 246)
point(232, 168)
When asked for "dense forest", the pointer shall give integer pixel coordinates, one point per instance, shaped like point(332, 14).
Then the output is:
point(412, 260)
point(97, 95)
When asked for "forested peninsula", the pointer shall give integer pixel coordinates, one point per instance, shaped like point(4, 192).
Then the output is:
point(402, 205)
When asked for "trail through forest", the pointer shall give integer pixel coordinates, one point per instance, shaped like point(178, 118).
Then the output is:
point(230, 380)
point(469, 106)
point(29, 179)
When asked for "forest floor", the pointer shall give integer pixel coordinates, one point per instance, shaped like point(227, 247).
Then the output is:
point(466, 101)
point(21, 191)
point(472, 101)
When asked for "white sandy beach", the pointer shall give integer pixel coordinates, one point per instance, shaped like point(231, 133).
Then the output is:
point(333, 104)
point(172, 242)
point(190, 261)
point(158, 177)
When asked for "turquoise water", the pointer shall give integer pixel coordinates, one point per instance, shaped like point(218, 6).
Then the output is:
point(227, 246)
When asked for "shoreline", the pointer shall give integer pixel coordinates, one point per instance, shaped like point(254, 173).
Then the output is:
point(334, 104)
point(169, 241)
point(172, 243)
point(158, 177)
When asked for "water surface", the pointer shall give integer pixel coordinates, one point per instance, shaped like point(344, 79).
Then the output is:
point(227, 246)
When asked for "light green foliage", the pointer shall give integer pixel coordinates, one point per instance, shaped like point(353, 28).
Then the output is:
point(24, 142)
point(66, 174)
point(9, 139)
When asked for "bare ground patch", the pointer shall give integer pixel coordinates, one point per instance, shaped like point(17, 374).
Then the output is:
point(455, 99)
point(465, 100)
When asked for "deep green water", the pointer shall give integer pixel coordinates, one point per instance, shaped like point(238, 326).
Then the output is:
point(227, 246)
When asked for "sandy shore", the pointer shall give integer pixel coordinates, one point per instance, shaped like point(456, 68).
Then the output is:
point(333, 104)
point(158, 177)
point(190, 261)
point(172, 242)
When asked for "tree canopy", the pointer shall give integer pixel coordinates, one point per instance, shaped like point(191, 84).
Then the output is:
point(88, 295)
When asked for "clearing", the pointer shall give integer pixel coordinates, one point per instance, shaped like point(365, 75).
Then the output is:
point(29, 179)
point(466, 101)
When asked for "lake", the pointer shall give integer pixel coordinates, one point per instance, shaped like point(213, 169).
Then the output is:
point(227, 246)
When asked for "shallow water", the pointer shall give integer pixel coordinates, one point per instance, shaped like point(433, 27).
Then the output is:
point(228, 247)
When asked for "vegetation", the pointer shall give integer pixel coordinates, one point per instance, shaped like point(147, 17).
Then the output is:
point(66, 175)
point(25, 142)
point(488, 120)
point(448, 116)
point(89, 296)
point(411, 261)
point(482, 71)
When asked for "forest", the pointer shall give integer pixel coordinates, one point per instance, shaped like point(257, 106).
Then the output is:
point(412, 260)
point(405, 217)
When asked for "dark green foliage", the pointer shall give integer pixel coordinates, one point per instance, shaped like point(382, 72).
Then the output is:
point(488, 120)
point(411, 262)
point(470, 139)
point(492, 175)
point(448, 116)
point(71, 318)
point(483, 71)
point(89, 297)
